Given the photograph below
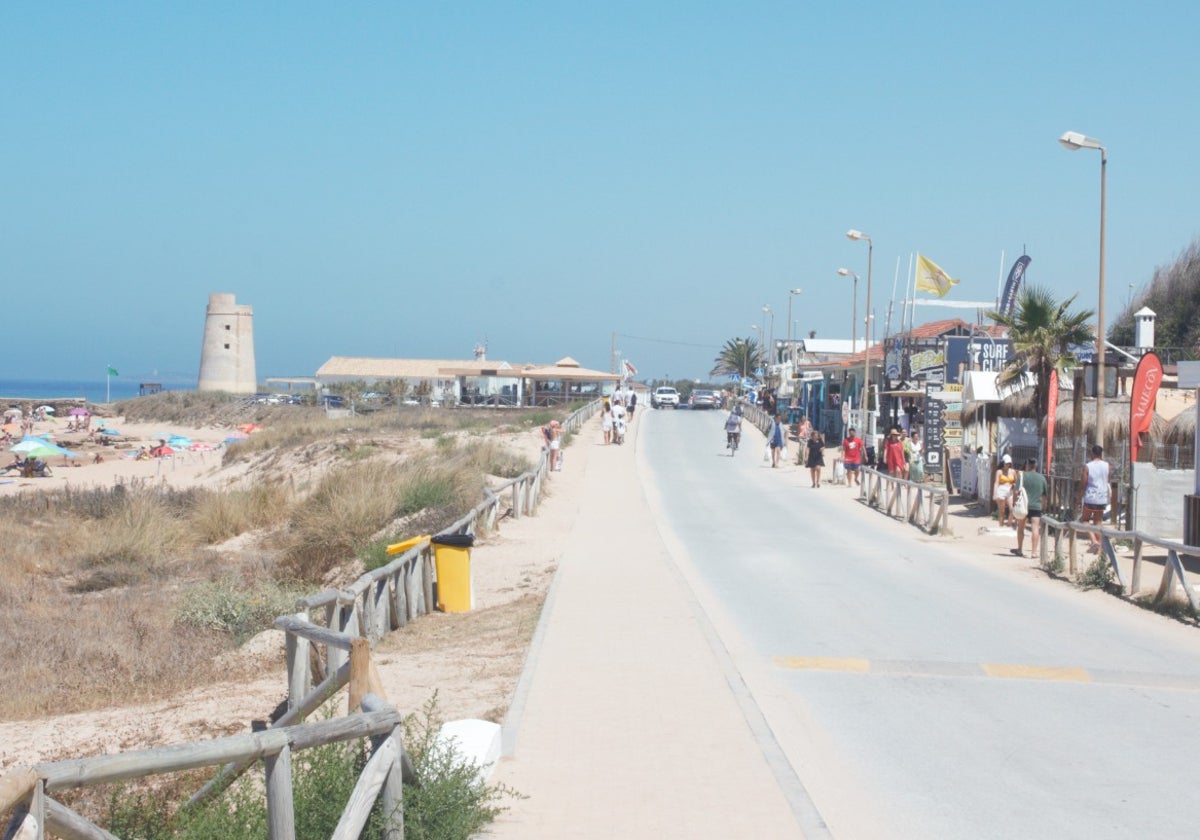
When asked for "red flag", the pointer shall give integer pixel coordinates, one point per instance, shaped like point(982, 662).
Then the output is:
point(1146, 380)
point(1051, 410)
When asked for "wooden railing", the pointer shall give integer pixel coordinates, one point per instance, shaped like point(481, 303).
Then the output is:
point(36, 812)
point(925, 505)
point(1173, 569)
point(322, 658)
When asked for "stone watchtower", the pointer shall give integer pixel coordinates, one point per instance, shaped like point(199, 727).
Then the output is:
point(227, 356)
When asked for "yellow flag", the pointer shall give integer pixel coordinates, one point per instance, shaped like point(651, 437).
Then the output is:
point(931, 278)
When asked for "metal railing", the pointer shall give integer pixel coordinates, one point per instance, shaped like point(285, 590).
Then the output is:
point(925, 505)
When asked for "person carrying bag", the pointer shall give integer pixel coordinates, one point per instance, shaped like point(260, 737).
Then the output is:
point(1020, 505)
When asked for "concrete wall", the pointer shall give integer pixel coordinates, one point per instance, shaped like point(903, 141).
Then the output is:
point(1159, 505)
point(227, 354)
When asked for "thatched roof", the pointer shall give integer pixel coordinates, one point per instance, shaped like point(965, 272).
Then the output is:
point(1181, 429)
point(1116, 421)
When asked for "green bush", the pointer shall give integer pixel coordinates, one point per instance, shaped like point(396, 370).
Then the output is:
point(450, 803)
point(229, 607)
point(1098, 575)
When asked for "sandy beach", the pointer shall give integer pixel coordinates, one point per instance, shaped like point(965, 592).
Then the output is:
point(105, 460)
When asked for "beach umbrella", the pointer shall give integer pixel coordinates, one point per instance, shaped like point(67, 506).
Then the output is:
point(38, 448)
point(49, 409)
point(233, 439)
point(160, 451)
point(202, 447)
point(248, 427)
point(109, 432)
point(80, 412)
point(179, 442)
point(13, 412)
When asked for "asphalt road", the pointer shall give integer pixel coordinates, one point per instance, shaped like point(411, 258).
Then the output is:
point(916, 688)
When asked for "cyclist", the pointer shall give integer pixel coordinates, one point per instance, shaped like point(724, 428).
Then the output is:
point(733, 430)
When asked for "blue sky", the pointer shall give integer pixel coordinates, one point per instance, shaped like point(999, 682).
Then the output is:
point(409, 179)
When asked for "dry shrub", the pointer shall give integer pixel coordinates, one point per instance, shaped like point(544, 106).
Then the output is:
point(139, 541)
point(348, 505)
point(221, 515)
point(352, 504)
point(70, 654)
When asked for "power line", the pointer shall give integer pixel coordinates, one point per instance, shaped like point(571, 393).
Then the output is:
point(665, 341)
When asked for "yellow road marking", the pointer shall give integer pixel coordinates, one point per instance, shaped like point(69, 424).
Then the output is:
point(822, 663)
point(1036, 672)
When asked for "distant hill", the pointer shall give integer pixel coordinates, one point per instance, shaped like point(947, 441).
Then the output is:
point(1174, 295)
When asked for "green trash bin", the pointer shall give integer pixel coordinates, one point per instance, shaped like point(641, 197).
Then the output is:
point(452, 568)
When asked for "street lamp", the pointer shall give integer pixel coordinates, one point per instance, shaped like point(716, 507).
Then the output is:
point(845, 272)
point(768, 342)
point(866, 399)
point(1075, 141)
point(791, 293)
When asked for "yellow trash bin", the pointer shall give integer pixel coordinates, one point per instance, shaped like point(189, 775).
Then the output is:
point(452, 568)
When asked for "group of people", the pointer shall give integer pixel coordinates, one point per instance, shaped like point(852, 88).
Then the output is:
point(1010, 484)
point(29, 467)
point(811, 443)
point(903, 455)
point(614, 416)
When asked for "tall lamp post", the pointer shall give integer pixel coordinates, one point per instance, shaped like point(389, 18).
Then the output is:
point(1075, 141)
point(791, 294)
point(866, 398)
point(768, 337)
point(845, 272)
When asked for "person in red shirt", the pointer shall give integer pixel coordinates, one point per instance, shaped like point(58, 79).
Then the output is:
point(893, 454)
point(852, 456)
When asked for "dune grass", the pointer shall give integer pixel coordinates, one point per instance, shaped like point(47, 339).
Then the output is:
point(114, 594)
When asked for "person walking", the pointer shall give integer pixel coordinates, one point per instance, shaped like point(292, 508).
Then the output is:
point(1093, 497)
point(852, 456)
point(816, 457)
point(1002, 490)
point(916, 464)
point(803, 432)
point(606, 422)
point(632, 403)
point(1034, 484)
point(553, 435)
point(893, 454)
point(776, 440)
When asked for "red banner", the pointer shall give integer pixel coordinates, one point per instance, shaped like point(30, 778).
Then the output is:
point(1146, 380)
point(1051, 410)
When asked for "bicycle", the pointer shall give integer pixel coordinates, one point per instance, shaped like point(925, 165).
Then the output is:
point(731, 442)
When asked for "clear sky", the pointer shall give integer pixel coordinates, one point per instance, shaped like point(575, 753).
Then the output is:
point(409, 179)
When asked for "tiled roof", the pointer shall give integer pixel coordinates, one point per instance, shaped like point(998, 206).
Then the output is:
point(931, 329)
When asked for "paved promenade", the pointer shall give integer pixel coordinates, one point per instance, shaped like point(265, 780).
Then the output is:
point(629, 722)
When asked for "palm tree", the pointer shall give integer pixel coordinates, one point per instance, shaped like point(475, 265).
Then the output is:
point(739, 356)
point(1042, 333)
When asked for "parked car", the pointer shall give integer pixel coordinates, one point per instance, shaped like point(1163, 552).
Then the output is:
point(664, 396)
point(705, 399)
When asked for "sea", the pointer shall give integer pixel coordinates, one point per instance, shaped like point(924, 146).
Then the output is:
point(95, 390)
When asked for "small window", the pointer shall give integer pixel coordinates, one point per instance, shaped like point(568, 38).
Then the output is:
point(226, 346)
point(227, 326)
